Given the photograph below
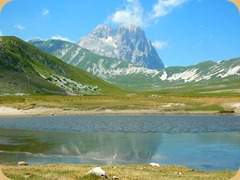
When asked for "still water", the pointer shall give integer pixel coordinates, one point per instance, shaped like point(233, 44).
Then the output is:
point(200, 142)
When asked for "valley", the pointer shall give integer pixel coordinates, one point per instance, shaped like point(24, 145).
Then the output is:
point(84, 82)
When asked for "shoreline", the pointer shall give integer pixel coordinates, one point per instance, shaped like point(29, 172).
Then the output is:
point(46, 111)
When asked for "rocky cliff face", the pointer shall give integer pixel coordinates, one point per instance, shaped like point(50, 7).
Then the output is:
point(124, 43)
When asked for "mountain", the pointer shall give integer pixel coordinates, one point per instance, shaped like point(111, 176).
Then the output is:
point(24, 69)
point(123, 43)
point(98, 65)
point(109, 69)
point(207, 77)
point(204, 77)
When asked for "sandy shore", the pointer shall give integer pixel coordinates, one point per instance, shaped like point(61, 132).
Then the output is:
point(45, 111)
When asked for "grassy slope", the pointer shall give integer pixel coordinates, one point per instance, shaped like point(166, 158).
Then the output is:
point(21, 63)
point(130, 172)
point(216, 85)
point(84, 59)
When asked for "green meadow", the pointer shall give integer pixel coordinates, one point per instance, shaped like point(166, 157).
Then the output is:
point(123, 172)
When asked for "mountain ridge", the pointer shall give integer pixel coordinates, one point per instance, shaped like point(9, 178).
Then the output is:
point(129, 76)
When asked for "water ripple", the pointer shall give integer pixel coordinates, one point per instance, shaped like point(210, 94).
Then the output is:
point(126, 124)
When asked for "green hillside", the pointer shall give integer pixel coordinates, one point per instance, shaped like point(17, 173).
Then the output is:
point(25, 69)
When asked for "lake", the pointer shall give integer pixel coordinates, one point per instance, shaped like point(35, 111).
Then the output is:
point(199, 142)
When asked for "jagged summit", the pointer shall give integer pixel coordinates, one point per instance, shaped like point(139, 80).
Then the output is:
point(102, 26)
point(131, 27)
point(126, 27)
point(102, 31)
point(127, 42)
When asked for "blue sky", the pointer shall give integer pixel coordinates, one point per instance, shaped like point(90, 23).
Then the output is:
point(185, 32)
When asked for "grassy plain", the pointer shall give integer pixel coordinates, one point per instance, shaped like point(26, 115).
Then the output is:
point(123, 172)
point(165, 103)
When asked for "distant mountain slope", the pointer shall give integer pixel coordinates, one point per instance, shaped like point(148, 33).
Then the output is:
point(205, 71)
point(25, 69)
point(223, 75)
point(101, 66)
point(126, 42)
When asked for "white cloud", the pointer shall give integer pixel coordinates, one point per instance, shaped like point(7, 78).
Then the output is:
point(1, 33)
point(20, 27)
point(163, 7)
point(134, 13)
point(58, 37)
point(45, 12)
point(160, 44)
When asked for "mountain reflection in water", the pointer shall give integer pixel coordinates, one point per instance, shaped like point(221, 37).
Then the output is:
point(104, 148)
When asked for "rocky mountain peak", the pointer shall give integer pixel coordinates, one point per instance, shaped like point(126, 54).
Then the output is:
point(102, 31)
point(130, 28)
point(127, 42)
